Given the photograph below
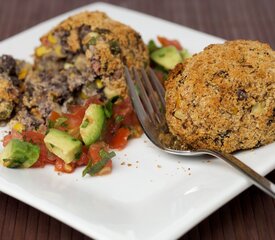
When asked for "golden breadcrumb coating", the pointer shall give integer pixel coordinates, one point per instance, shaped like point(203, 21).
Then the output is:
point(223, 98)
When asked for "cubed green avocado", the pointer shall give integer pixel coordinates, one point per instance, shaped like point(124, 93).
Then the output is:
point(63, 145)
point(167, 57)
point(19, 154)
point(92, 124)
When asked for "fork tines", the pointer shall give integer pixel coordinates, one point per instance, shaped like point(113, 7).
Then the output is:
point(147, 94)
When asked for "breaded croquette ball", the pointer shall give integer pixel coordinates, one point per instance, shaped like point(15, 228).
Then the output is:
point(223, 98)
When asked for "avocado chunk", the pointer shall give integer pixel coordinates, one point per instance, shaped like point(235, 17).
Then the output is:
point(19, 154)
point(92, 124)
point(167, 57)
point(63, 145)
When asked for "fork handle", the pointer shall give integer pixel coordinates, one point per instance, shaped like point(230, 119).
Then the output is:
point(261, 182)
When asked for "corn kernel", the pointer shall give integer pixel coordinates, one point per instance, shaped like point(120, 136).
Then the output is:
point(22, 73)
point(52, 39)
point(83, 96)
point(68, 168)
point(40, 51)
point(18, 127)
point(68, 65)
point(99, 83)
point(58, 51)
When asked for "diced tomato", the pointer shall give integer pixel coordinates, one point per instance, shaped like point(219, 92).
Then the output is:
point(32, 136)
point(84, 158)
point(61, 166)
point(73, 108)
point(94, 99)
point(123, 108)
point(120, 139)
point(54, 115)
point(130, 120)
point(110, 130)
point(95, 149)
point(94, 154)
point(12, 135)
point(77, 110)
point(166, 42)
point(75, 118)
point(74, 121)
point(43, 157)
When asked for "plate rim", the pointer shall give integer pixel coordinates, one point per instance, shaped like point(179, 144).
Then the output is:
point(172, 231)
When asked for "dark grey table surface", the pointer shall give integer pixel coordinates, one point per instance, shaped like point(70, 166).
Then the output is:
point(251, 215)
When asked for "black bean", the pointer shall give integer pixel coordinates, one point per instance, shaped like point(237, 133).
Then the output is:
point(102, 31)
point(83, 31)
point(225, 134)
point(138, 37)
point(258, 144)
point(15, 81)
point(222, 73)
point(63, 35)
point(269, 122)
point(242, 95)
point(8, 64)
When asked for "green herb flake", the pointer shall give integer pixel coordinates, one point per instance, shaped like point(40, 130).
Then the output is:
point(50, 124)
point(152, 46)
point(92, 41)
point(119, 118)
point(114, 47)
point(106, 155)
point(78, 155)
point(108, 107)
point(61, 122)
point(85, 123)
point(87, 168)
point(93, 169)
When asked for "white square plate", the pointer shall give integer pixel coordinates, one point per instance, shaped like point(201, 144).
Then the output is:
point(154, 195)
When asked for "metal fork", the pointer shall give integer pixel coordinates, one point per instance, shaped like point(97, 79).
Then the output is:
point(147, 95)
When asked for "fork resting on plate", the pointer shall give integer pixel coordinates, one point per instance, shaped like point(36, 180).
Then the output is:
point(147, 95)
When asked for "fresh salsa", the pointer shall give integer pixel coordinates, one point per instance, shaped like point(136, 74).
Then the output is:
point(165, 57)
point(82, 137)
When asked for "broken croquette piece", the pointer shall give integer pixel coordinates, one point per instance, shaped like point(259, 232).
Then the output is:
point(107, 45)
